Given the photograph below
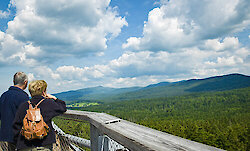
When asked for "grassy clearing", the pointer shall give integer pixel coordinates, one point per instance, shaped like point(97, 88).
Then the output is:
point(82, 104)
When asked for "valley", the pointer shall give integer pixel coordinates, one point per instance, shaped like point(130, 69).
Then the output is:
point(214, 111)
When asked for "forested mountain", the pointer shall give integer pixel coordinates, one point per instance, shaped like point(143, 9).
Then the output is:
point(93, 93)
point(221, 83)
point(163, 89)
point(219, 119)
point(206, 113)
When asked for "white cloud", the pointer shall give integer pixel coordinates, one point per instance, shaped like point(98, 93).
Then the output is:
point(213, 44)
point(58, 28)
point(85, 73)
point(4, 14)
point(31, 77)
point(178, 42)
point(75, 28)
point(229, 61)
point(228, 43)
point(226, 61)
point(45, 72)
point(132, 41)
point(134, 81)
point(203, 72)
point(14, 52)
point(146, 67)
point(2, 34)
point(186, 23)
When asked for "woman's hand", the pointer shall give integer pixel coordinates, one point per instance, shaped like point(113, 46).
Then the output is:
point(49, 96)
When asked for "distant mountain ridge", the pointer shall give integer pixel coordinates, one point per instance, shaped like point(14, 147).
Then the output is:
point(93, 93)
point(162, 89)
point(220, 83)
point(158, 84)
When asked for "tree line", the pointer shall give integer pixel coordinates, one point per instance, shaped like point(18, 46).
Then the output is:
point(219, 119)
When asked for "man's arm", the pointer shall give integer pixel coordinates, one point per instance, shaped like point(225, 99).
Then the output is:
point(18, 121)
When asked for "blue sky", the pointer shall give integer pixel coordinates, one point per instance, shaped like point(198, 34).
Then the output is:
point(122, 43)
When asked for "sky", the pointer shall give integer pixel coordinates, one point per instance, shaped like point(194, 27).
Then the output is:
point(77, 44)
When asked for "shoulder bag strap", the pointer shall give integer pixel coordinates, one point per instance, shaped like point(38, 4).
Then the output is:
point(30, 105)
point(39, 103)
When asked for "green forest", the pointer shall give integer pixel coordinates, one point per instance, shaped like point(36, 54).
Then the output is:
point(219, 119)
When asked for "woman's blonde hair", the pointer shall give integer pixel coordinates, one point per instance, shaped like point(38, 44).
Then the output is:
point(37, 87)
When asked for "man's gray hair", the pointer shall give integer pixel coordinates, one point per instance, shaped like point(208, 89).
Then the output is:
point(20, 78)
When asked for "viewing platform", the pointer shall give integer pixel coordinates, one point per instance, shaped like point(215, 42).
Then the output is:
point(105, 130)
point(109, 133)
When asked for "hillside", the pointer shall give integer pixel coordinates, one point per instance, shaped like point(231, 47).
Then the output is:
point(163, 89)
point(219, 119)
point(93, 93)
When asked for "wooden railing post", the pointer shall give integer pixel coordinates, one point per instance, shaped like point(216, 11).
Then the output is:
point(94, 137)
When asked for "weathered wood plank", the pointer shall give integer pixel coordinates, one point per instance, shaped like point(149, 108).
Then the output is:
point(94, 135)
point(137, 137)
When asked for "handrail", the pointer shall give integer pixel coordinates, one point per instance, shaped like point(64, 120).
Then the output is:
point(133, 136)
point(77, 140)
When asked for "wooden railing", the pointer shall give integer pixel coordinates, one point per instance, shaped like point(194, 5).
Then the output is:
point(133, 136)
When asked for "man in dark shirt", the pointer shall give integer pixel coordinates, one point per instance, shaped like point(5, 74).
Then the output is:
point(9, 102)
